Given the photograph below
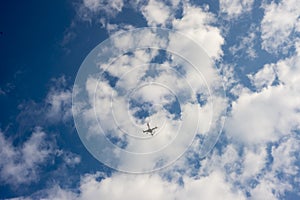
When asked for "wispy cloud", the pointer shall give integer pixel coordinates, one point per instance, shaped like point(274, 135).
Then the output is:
point(235, 8)
point(22, 164)
point(246, 45)
point(54, 109)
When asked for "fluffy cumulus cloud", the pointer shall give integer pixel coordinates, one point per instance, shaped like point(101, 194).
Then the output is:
point(156, 12)
point(249, 171)
point(235, 8)
point(272, 111)
point(253, 162)
point(148, 186)
point(268, 116)
point(264, 78)
point(21, 164)
point(282, 173)
point(223, 175)
point(280, 25)
point(196, 23)
point(260, 117)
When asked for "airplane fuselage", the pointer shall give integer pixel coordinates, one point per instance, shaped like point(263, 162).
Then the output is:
point(150, 130)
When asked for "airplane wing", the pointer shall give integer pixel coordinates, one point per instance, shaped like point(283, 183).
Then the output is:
point(152, 129)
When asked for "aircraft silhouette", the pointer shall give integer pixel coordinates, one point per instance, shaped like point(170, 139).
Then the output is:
point(149, 130)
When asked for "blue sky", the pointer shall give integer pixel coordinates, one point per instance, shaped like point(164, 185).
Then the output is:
point(54, 148)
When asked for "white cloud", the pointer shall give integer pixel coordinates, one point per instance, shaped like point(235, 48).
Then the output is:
point(270, 187)
point(213, 186)
point(195, 24)
point(235, 8)
point(20, 164)
point(148, 186)
point(264, 116)
point(263, 191)
point(239, 164)
point(224, 175)
point(69, 158)
point(254, 162)
point(271, 112)
point(268, 116)
point(58, 193)
point(55, 108)
point(265, 77)
point(247, 169)
point(110, 7)
point(284, 156)
point(156, 13)
point(126, 187)
point(115, 28)
point(279, 24)
point(60, 102)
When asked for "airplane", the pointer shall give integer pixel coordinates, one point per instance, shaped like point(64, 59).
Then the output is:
point(149, 130)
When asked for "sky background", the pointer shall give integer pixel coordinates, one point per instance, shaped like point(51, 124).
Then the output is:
point(255, 46)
